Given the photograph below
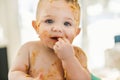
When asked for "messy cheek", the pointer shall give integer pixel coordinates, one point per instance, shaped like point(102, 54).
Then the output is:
point(44, 34)
point(45, 39)
point(70, 37)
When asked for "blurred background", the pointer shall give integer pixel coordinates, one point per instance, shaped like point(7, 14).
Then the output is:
point(100, 23)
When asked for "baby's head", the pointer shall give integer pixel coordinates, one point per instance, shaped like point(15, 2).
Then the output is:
point(57, 19)
point(73, 4)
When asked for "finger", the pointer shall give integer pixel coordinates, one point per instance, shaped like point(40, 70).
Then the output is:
point(55, 49)
point(56, 46)
point(61, 40)
point(57, 43)
point(66, 40)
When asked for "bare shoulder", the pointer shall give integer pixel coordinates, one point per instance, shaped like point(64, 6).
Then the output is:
point(30, 45)
point(81, 56)
point(21, 61)
point(26, 48)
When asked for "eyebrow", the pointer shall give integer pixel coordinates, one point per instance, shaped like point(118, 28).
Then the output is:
point(49, 16)
point(69, 18)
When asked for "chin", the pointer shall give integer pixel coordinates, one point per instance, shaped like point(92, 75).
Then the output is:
point(50, 46)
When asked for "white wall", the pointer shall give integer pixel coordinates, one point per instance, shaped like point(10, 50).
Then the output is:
point(10, 25)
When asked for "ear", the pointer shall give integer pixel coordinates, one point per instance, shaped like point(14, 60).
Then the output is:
point(78, 31)
point(35, 26)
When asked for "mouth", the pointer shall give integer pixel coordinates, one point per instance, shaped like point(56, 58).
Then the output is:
point(55, 38)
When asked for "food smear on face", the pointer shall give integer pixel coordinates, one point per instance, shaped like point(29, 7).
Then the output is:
point(73, 7)
point(75, 10)
point(44, 34)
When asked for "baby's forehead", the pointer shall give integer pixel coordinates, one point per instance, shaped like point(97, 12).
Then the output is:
point(75, 2)
point(59, 3)
point(63, 0)
point(44, 3)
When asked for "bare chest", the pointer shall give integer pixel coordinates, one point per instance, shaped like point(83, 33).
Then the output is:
point(47, 65)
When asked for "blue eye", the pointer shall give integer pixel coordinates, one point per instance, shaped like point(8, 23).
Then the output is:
point(49, 21)
point(67, 24)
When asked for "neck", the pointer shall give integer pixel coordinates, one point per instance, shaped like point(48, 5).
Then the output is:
point(46, 48)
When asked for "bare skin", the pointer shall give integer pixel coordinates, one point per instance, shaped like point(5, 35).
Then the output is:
point(53, 57)
point(43, 64)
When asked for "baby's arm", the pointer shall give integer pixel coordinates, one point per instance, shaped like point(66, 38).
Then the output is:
point(20, 67)
point(74, 69)
point(82, 58)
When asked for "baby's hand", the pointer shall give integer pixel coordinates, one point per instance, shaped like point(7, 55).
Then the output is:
point(64, 49)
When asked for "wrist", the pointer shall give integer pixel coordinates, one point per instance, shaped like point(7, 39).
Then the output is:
point(69, 60)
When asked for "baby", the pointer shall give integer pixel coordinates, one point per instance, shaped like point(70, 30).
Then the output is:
point(53, 57)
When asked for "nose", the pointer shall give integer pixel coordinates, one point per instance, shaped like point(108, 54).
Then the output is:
point(56, 29)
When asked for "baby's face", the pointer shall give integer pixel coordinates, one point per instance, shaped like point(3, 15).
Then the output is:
point(56, 20)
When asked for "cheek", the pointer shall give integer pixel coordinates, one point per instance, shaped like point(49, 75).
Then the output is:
point(70, 35)
point(43, 34)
